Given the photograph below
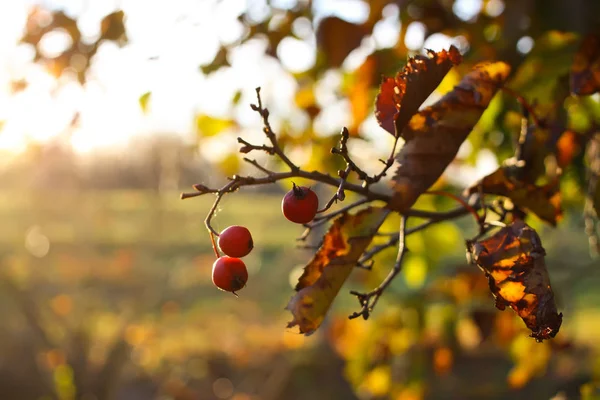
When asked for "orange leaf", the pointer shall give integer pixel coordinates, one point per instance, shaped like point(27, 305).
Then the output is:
point(399, 98)
point(585, 70)
point(513, 261)
point(434, 135)
point(325, 274)
point(567, 147)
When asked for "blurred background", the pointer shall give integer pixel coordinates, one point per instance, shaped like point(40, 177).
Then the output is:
point(110, 108)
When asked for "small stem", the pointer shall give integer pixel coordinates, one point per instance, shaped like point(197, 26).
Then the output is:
point(214, 245)
point(480, 220)
point(530, 110)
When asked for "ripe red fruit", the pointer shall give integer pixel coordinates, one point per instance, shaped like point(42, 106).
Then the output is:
point(236, 241)
point(229, 274)
point(300, 204)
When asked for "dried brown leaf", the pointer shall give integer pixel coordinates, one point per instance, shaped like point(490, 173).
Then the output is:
point(399, 98)
point(543, 201)
point(513, 261)
point(585, 70)
point(336, 38)
point(325, 274)
point(434, 135)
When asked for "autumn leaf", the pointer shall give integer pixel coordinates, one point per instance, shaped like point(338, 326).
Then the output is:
point(143, 100)
point(336, 38)
point(585, 71)
point(112, 26)
point(220, 60)
point(208, 126)
point(399, 98)
point(567, 148)
point(434, 135)
point(325, 274)
point(543, 201)
point(513, 261)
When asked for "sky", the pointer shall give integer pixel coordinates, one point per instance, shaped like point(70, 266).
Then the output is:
point(168, 40)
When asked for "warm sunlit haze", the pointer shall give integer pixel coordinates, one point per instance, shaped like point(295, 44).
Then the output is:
point(299, 199)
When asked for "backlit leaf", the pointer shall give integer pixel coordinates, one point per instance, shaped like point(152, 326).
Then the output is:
point(336, 38)
point(208, 126)
point(325, 274)
point(543, 201)
point(143, 100)
point(513, 261)
point(585, 71)
point(434, 135)
point(399, 98)
point(112, 27)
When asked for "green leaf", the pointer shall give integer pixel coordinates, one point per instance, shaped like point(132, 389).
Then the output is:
point(143, 100)
point(325, 274)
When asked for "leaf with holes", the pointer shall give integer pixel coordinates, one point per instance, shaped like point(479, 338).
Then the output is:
point(399, 98)
point(325, 274)
point(543, 201)
point(434, 135)
point(513, 261)
point(585, 70)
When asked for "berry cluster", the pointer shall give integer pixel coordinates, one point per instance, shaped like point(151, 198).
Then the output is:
point(229, 272)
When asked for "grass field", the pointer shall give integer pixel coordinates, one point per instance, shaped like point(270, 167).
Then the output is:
point(127, 273)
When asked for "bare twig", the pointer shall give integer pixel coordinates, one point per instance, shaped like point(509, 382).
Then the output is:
point(352, 166)
point(321, 220)
point(339, 194)
point(258, 166)
point(369, 300)
point(590, 216)
point(264, 113)
point(540, 123)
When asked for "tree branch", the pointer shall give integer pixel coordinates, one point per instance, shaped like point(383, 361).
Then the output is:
point(369, 300)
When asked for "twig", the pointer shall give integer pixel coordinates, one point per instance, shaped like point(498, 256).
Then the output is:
point(352, 166)
point(321, 220)
point(258, 166)
point(526, 106)
point(369, 300)
point(339, 194)
point(264, 113)
point(591, 216)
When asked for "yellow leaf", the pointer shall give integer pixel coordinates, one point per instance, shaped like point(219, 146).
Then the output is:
point(325, 274)
point(208, 126)
point(415, 272)
point(143, 100)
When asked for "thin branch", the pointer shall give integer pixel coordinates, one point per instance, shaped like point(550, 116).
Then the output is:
point(343, 152)
point(525, 104)
point(264, 113)
point(339, 194)
point(394, 237)
point(352, 166)
point(321, 220)
point(590, 215)
point(258, 166)
point(369, 300)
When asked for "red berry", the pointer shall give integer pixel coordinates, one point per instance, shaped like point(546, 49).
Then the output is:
point(300, 204)
point(236, 241)
point(229, 274)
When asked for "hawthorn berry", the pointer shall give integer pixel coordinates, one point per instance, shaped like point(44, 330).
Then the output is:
point(300, 204)
point(236, 241)
point(229, 274)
